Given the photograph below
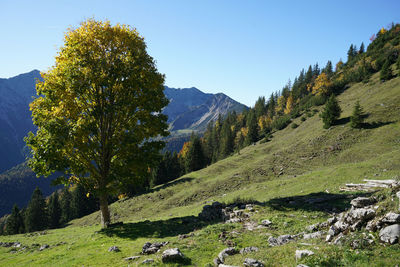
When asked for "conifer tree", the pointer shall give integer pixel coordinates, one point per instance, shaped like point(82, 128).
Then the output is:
point(386, 72)
point(227, 140)
point(54, 211)
point(36, 215)
point(15, 222)
point(398, 66)
point(331, 112)
point(252, 135)
point(66, 210)
point(356, 118)
point(328, 70)
point(194, 159)
point(361, 50)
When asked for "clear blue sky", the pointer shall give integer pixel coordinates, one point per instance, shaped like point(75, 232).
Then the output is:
point(244, 49)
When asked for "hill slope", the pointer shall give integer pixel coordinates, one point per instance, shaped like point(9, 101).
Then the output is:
point(286, 176)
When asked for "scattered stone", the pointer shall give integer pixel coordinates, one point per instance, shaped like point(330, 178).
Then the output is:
point(248, 250)
point(280, 240)
point(226, 252)
point(217, 261)
point(360, 214)
point(185, 236)
point(398, 196)
point(147, 261)
point(391, 218)
point(329, 238)
point(331, 221)
point(111, 249)
point(17, 245)
point(302, 265)
point(172, 255)
point(132, 258)
point(313, 227)
point(250, 207)
point(318, 234)
point(361, 202)
point(356, 226)
point(149, 248)
point(252, 263)
point(224, 265)
point(266, 222)
point(390, 234)
point(303, 253)
point(333, 230)
point(339, 240)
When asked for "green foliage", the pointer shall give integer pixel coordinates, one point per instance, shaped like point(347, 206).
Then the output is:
point(252, 135)
point(15, 222)
point(168, 169)
point(331, 112)
point(194, 159)
point(386, 71)
point(281, 122)
point(356, 118)
point(398, 66)
point(36, 214)
point(54, 210)
point(294, 125)
point(66, 208)
point(98, 110)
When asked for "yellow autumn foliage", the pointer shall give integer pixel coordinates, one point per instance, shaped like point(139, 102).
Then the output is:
point(289, 104)
point(321, 85)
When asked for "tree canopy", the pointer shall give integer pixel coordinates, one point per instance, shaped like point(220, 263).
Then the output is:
point(97, 111)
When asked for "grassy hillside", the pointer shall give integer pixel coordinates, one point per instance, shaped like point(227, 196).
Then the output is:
point(283, 175)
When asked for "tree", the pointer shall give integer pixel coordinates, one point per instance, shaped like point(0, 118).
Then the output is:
point(98, 109)
point(194, 159)
point(252, 134)
point(289, 104)
point(36, 215)
point(356, 118)
point(54, 210)
point(331, 112)
point(227, 140)
point(15, 222)
point(361, 50)
point(386, 72)
point(66, 209)
point(398, 65)
point(322, 85)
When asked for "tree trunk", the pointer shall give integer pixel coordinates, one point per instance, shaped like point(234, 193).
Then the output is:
point(104, 211)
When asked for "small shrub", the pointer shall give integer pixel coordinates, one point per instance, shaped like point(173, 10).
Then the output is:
point(281, 122)
point(294, 125)
point(303, 119)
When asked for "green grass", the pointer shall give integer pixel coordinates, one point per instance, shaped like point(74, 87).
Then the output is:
point(281, 175)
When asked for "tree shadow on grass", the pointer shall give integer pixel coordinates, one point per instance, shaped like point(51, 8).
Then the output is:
point(342, 121)
point(374, 125)
point(156, 229)
point(321, 201)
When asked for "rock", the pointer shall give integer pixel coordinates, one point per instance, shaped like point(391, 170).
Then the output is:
point(329, 238)
point(132, 258)
point(147, 261)
point(339, 240)
point(252, 263)
point(217, 261)
point(303, 253)
point(280, 240)
point(227, 252)
point(391, 218)
point(331, 221)
point(360, 214)
point(248, 250)
point(16, 245)
point(371, 226)
point(250, 207)
point(111, 249)
point(341, 226)
point(224, 265)
point(313, 227)
point(149, 248)
point(266, 222)
point(302, 265)
point(390, 234)
point(172, 255)
point(318, 234)
point(361, 202)
point(398, 196)
point(333, 230)
point(356, 226)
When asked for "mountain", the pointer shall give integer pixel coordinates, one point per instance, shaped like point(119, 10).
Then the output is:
point(15, 118)
point(190, 108)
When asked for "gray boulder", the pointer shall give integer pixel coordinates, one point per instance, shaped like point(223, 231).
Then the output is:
point(280, 240)
point(147, 261)
point(172, 255)
point(361, 202)
point(303, 253)
point(226, 252)
point(248, 250)
point(43, 247)
point(110, 249)
point(252, 263)
point(149, 248)
point(390, 234)
point(132, 258)
point(318, 234)
point(360, 214)
point(266, 222)
point(391, 218)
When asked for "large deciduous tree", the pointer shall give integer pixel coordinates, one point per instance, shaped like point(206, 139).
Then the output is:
point(97, 111)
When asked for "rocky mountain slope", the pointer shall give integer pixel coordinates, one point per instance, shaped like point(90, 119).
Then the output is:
point(274, 204)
